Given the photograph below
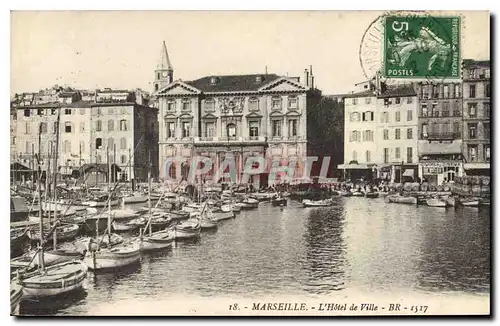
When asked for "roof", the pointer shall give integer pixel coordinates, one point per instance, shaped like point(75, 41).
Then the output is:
point(165, 60)
point(367, 93)
point(471, 62)
point(78, 104)
point(439, 148)
point(67, 94)
point(233, 83)
point(99, 167)
point(398, 91)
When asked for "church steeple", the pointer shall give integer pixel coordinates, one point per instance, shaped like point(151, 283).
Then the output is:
point(164, 72)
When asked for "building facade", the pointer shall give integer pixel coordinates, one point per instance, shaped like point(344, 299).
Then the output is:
point(231, 117)
point(440, 131)
point(476, 117)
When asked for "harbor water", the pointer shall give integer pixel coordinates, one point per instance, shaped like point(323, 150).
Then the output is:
point(358, 244)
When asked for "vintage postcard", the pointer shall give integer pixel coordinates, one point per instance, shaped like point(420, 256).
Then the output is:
point(250, 163)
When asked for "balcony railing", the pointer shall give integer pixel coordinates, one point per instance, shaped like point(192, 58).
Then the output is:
point(441, 135)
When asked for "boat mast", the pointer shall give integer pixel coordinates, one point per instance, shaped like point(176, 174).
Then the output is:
point(149, 192)
point(109, 195)
point(55, 175)
point(40, 254)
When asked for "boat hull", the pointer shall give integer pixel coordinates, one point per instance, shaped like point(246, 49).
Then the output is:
point(108, 259)
point(16, 296)
point(135, 199)
point(160, 240)
point(100, 203)
point(473, 203)
point(220, 216)
point(435, 203)
point(279, 202)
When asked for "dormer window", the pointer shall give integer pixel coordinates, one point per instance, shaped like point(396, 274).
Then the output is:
point(258, 79)
point(213, 80)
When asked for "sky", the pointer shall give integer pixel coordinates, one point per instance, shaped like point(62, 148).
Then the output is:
point(118, 49)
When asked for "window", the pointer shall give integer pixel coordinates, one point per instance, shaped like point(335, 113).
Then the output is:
point(384, 117)
point(487, 73)
point(43, 127)
point(354, 101)
point(424, 130)
point(487, 153)
point(276, 128)
point(368, 136)
point(13, 140)
point(209, 129)
point(67, 111)
point(446, 109)
point(258, 79)
point(446, 91)
point(435, 92)
point(171, 106)
point(186, 105)
point(231, 130)
point(355, 116)
point(424, 110)
point(39, 112)
point(98, 126)
point(397, 133)
point(28, 148)
point(355, 136)
point(123, 143)
point(170, 129)
point(98, 143)
point(434, 110)
point(111, 144)
point(472, 151)
point(398, 116)
point(457, 90)
point(368, 156)
point(472, 130)
point(409, 154)
point(487, 90)
point(68, 127)
point(409, 133)
point(368, 100)
point(398, 100)
point(487, 131)
point(254, 129)
point(53, 111)
point(28, 127)
point(397, 153)
point(293, 128)
point(486, 110)
point(386, 155)
point(456, 127)
point(292, 102)
point(213, 80)
point(276, 103)
point(354, 155)
point(472, 110)
point(472, 73)
point(123, 125)
point(386, 134)
point(67, 146)
point(82, 147)
point(185, 129)
point(253, 104)
point(27, 112)
point(368, 116)
point(409, 115)
point(409, 100)
point(123, 159)
point(209, 105)
point(472, 91)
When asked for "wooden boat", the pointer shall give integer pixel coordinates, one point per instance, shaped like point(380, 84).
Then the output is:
point(192, 207)
point(134, 199)
point(357, 194)
point(469, 202)
point(279, 201)
point(157, 240)
point(371, 194)
point(127, 226)
point(220, 215)
point(64, 232)
point(112, 256)
point(54, 280)
point(435, 202)
point(317, 203)
point(101, 202)
point(50, 257)
point(17, 238)
point(249, 203)
point(207, 223)
point(179, 215)
point(345, 193)
point(401, 199)
point(187, 229)
point(16, 295)
point(450, 201)
point(262, 196)
point(485, 202)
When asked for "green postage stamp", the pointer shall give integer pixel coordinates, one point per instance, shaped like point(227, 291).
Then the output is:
point(421, 47)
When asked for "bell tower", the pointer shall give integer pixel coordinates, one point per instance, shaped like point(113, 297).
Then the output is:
point(164, 73)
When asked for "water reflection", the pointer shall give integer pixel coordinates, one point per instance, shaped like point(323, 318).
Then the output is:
point(53, 305)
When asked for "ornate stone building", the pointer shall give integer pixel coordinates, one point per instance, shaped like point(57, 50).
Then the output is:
point(236, 116)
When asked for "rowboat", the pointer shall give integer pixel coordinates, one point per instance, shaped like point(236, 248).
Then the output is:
point(317, 203)
point(345, 193)
point(435, 202)
point(100, 202)
point(157, 240)
point(134, 199)
point(50, 257)
point(263, 196)
point(401, 199)
point(63, 233)
point(469, 202)
point(371, 194)
point(220, 215)
point(207, 223)
point(127, 226)
point(16, 295)
point(280, 201)
point(187, 229)
point(249, 203)
point(357, 194)
point(54, 280)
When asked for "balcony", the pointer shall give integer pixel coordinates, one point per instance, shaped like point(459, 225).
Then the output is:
point(441, 136)
point(218, 140)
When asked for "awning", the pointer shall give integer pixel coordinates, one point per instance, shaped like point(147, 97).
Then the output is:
point(425, 147)
point(409, 173)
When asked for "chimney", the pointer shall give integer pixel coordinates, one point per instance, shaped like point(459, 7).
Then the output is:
point(312, 81)
point(306, 77)
point(311, 77)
